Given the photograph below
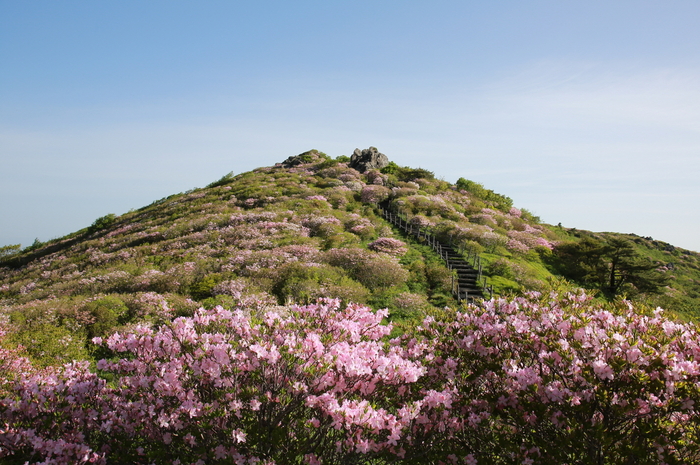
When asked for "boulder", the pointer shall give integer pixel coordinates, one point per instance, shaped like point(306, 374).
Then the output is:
point(367, 159)
point(312, 156)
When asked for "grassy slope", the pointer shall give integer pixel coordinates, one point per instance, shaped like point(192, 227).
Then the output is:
point(266, 238)
point(682, 296)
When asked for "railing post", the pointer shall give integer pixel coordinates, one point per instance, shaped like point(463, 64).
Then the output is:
point(473, 259)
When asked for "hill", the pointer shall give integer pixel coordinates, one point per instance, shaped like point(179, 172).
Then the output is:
point(306, 228)
point(168, 334)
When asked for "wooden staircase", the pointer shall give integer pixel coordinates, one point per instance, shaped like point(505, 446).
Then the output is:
point(468, 284)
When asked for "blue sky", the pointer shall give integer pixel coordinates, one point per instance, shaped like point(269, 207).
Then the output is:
point(585, 113)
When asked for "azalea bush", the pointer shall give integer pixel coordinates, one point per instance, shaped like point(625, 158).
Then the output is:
point(372, 270)
point(220, 387)
point(374, 194)
point(543, 379)
point(389, 246)
point(537, 379)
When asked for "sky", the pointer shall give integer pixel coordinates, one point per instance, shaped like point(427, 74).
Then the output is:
point(586, 113)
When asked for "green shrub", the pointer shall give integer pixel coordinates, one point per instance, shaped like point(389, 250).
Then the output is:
point(472, 247)
point(9, 250)
point(341, 239)
point(311, 156)
point(301, 283)
point(380, 272)
point(181, 305)
point(225, 301)
point(107, 313)
point(438, 276)
point(35, 245)
point(526, 214)
point(102, 222)
point(408, 306)
point(202, 288)
point(441, 299)
point(404, 173)
point(502, 267)
point(383, 298)
point(50, 345)
point(328, 163)
point(225, 179)
point(499, 201)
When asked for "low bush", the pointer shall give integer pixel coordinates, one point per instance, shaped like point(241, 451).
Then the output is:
point(539, 379)
point(102, 222)
point(107, 313)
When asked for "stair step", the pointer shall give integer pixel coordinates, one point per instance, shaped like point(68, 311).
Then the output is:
point(467, 277)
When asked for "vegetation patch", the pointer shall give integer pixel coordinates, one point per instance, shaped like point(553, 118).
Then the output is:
point(310, 330)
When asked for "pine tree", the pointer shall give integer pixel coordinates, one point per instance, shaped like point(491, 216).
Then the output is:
point(613, 266)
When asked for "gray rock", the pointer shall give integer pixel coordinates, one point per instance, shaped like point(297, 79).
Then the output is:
point(367, 159)
point(312, 156)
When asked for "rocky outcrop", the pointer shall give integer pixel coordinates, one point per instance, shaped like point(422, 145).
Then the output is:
point(311, 156)
point(367, 159)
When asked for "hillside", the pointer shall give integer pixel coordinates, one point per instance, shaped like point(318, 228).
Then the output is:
point(307, 228)
point(199, 329)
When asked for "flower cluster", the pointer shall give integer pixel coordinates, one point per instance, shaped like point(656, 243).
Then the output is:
point(517, 246)
point(374, 194)
point(560, 380)
point(220, 386)
point(389, 246)
point(537, 379)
